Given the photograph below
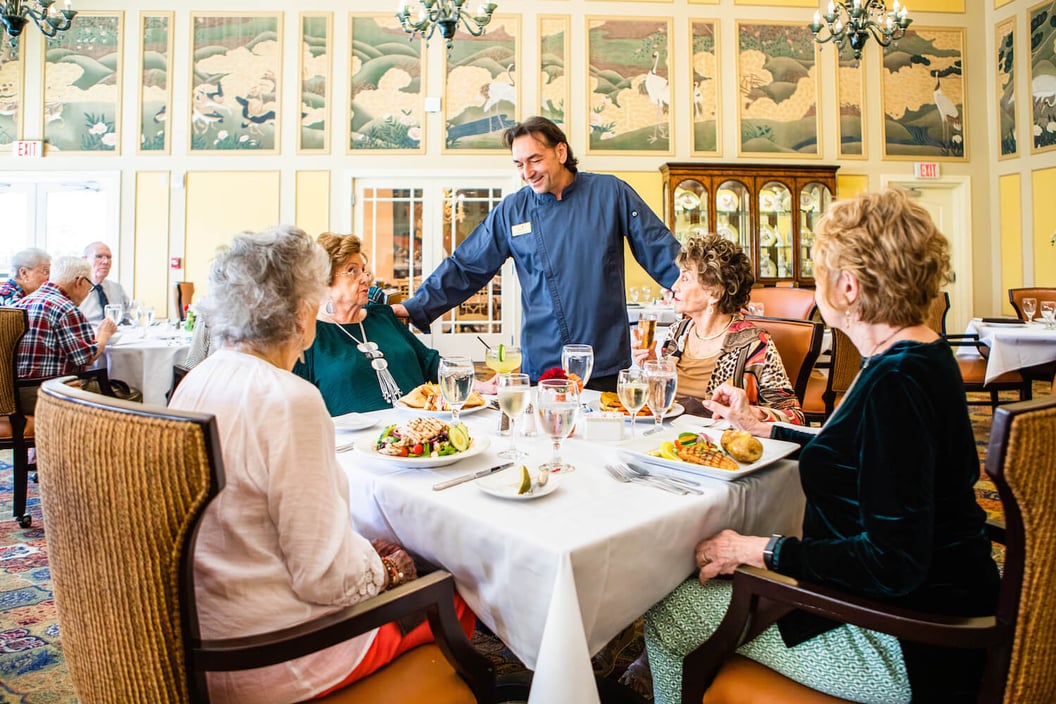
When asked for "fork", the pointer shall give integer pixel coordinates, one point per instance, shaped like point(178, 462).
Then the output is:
point(689, 486)
point(622, 475)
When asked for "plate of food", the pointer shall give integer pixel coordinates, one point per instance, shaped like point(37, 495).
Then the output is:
point(428, 399)
point(354, 421)
point(518, 483)
point(610, 403)
point(718, 454)
point(424, 442)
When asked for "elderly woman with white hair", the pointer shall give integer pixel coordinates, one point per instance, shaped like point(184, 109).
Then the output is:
point(29, 269)
point(278, 546)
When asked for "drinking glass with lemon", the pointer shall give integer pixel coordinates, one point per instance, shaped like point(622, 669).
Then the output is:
point(503, 359)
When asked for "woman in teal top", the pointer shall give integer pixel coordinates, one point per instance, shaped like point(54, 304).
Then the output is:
point(341, 362)
point(890, 508)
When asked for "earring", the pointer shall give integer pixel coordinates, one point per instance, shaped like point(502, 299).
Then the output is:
point(329, 307)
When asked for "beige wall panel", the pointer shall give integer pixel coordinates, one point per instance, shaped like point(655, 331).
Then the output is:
point(1010, 197)
point(313, 202)
point(851, 185)
point(650, 186)
point(1043, 186)
point(221, 204)
point(151, 283)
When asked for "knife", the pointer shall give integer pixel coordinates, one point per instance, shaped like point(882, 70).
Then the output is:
point(470, 477)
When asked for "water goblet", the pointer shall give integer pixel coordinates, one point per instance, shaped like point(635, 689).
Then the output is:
point(1030, 307)
point(456, 383)
point(647, 295)
point(663, 382)
point(557, 406)
point(514, 393)
point(1048, 312)
point(632, 293)
point(578, 360)
point(632, 388)
point(114, 312)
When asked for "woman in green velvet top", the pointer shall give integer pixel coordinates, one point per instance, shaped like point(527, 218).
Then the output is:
point(891, 512)
point(334, 362)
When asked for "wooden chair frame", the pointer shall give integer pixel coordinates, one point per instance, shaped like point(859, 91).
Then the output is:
point(787, 334)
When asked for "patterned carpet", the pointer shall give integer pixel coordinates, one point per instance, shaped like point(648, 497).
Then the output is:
point(32, 669)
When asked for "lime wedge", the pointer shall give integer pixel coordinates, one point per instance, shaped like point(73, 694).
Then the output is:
point(502, 353)
point(526, 481)
point(458, 435)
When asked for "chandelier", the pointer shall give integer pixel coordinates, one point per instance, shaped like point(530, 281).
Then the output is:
point(855, 24)
point(445, 14)
point(14, 13)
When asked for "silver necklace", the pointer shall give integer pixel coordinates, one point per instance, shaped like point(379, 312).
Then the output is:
point(390, 390)
point(880, 344)
point(712, 337)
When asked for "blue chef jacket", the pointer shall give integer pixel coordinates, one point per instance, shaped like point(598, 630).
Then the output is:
point(569, 259)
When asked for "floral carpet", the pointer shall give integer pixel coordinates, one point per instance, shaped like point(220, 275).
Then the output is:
point(32, 669)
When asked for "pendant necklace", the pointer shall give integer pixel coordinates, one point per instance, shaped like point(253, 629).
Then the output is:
point(880, 344)
point(390, 390)
point(705, 338)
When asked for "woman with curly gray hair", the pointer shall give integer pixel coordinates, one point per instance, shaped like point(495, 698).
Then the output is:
point(278, 547)
point(712, 344)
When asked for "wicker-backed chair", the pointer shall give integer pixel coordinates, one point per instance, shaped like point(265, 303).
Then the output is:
point(1020, 642)
point(824, 392)
point(124, 486)
point(16, 427)
point(799, 342)
point(785, 302)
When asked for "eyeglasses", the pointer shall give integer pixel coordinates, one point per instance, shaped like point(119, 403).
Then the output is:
point(355, 272)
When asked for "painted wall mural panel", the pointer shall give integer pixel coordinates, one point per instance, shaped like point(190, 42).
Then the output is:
point(155, 81)
point(316, 33)
point(1043, 75)
point(237, 64)
point(1005, 73)
point(704, 69)
point(12, 82)
point(553, 68)
point(82, 85)
point(777, 80)
point(482, 94)
point(850, 98)
point(924, 96)
point(630, 98)
point(388, 80)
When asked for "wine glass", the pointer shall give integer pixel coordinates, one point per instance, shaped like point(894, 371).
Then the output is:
point(632, 293)
point(1048, 312)
point(632, 387)
point(456, 383)
point(647, 295)
point(1030, 307)
point(557, 405)
point(114, 312)
point(514, 393)
point(663, 382)
point(578, 360)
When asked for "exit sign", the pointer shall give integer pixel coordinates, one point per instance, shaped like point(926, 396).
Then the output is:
point(27, 149)
point(926, 169)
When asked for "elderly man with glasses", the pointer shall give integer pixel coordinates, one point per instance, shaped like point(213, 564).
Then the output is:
point(29, 269)
point(104, 291)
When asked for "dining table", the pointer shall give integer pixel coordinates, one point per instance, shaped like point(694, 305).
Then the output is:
point(558, 575)
point(144, 357)
point(1013, 345)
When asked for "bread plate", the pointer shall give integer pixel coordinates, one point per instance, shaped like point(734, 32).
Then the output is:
point(639, 448)
point(506, 483)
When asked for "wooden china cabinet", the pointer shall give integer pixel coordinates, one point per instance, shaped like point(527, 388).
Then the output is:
point(770, 209)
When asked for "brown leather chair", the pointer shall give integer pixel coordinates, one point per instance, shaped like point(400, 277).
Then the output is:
point(825, 391)
point(799, 342)
point(782, 302)
point(184, 293)
point(124, 577)
point(1020, 660)
point(1042, 293)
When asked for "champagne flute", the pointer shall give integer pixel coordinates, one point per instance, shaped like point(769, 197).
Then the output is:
point(632, 387)
point(663, 382)
point(1030, 307)
point(557, 405)
point(578, 360)
point(514, 393)
point(456, 383)
point(1048, 312)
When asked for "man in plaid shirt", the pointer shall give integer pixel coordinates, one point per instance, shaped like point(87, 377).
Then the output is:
point(59, 339)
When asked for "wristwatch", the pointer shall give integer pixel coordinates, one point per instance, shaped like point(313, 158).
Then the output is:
point(768, 551)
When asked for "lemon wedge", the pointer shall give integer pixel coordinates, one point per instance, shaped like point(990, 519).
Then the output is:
point(526, 481)
point(668, 452)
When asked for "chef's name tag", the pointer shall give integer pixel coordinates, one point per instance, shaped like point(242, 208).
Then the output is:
point(524, 228)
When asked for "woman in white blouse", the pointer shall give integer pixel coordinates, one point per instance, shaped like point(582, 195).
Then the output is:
point(278, 547)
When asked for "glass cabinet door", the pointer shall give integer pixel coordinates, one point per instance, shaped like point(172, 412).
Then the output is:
point(776, 252)
point(814, 200)
point(732, 213)
point(690, 209)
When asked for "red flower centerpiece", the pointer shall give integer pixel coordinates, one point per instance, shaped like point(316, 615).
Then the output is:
point(559, 373)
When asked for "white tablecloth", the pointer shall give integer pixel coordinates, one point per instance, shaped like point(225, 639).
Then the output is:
point(146, 362)
point(665, 315)
point(557, 577)
point(1013, 347)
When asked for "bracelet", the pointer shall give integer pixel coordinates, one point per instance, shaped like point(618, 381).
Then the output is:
point(393, 574)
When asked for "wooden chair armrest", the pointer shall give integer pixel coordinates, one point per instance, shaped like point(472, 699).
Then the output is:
point(995, 530)
point(432, 593)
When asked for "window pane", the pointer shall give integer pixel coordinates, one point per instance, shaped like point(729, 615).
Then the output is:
point(464, 209)
point(75, 218)
point(17, 234)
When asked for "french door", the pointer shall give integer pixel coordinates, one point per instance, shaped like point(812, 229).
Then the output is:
point(409, 226)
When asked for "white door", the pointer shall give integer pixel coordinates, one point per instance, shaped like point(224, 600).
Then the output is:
point(947, 200)
point(409, 226)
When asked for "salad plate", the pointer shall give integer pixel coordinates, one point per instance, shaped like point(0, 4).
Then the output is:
point(477, 445)
point(506, 483)
point(639, 449)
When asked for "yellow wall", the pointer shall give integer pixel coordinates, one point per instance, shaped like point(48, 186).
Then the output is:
point(1043, 186)
point(650, 186)
point(221, 204)
point(313, 202)
point(850, 185)
point(152, 241)
point(1010, 197)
